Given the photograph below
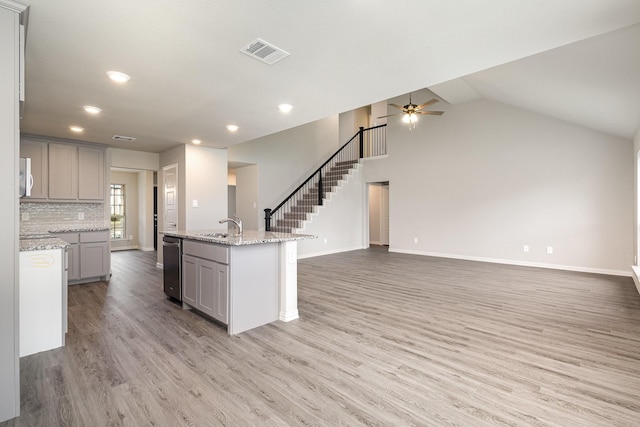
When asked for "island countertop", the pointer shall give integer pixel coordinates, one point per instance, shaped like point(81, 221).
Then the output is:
point(248, 237)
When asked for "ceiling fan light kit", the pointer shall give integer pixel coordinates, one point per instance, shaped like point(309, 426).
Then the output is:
point(410, 111)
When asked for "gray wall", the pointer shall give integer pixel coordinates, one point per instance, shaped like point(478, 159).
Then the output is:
point(485, 179)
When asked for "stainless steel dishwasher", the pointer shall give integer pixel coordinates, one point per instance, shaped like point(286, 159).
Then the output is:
point(172, 266)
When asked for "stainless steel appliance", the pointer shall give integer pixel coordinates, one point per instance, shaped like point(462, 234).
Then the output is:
point(171, 261)
point(26, 179)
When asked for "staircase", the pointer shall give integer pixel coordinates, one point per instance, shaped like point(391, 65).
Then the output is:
point(299, 212)
point(295, 209)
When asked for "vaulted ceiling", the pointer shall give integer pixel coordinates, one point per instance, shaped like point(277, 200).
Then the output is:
point(577, 60)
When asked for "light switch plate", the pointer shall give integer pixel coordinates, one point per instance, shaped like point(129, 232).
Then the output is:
point(80, 216)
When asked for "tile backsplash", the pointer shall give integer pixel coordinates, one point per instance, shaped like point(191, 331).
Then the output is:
point(42, 217)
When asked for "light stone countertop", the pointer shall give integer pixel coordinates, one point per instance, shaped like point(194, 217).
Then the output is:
point(46, 241)
point(249, 237)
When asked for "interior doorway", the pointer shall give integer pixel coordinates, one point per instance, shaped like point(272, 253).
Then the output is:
point(378, 213)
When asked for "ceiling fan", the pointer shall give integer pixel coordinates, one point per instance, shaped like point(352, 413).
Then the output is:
point(410, 111)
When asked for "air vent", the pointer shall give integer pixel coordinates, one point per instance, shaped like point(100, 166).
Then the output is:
point(265, 52)
point(123, 138)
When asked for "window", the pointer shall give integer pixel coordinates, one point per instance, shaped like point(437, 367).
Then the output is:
point(117, 211)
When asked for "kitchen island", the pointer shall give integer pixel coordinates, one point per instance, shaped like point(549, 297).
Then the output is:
point(240, 281)
point(43, 293)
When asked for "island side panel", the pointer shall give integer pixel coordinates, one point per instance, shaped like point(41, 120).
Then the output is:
point(289, 281)
point(254, 281)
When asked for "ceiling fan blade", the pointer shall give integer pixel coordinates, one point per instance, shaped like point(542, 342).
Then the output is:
point(397, 106)
point(431, 113)
point(426, 104)
point(389, 115)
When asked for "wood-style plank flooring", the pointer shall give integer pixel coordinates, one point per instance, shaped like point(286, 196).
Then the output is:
point(384, 339)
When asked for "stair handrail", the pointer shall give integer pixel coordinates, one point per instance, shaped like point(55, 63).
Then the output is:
point(360, 134)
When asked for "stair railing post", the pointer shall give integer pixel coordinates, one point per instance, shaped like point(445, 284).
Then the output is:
point(361, 136)
point(267, 219)
point(320, 189)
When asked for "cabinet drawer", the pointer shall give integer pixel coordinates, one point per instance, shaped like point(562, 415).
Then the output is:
point(94, 236)
point(70, 238)
point(210, 251)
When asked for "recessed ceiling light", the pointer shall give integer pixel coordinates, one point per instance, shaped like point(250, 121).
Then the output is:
point(91, 109)
point(196, 141)
point(118, 77)
point(76, 129)
point(232, 128)
point(285, 108)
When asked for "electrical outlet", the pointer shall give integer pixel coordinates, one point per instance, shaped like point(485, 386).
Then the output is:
point(415, 240)
point(525, 248)
point(80, 216)
point(25, 216)
point(549, 250)
point(195, 203)
point(325, 240)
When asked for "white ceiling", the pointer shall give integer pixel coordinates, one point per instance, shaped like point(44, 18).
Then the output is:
point(189, 79)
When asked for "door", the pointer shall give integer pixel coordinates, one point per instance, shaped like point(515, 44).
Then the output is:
point(170, 188)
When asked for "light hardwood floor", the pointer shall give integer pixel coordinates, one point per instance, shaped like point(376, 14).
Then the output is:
point(383, 339)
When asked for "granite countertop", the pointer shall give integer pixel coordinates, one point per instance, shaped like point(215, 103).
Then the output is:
point(44, 241)
point(41, 242)
point(249, 237)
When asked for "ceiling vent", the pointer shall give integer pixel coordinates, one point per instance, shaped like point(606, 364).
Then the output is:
point(263, 51)
point(123, 138)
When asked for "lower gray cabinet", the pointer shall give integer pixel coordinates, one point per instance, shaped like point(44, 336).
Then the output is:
point(89, 255)
point(205, 281)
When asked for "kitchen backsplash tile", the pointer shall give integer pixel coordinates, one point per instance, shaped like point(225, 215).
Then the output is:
point(43, 217)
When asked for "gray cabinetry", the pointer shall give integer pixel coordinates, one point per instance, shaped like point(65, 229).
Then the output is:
point(89, 255)
point(73, 254)
point(94, 254)
point(205, 280)
point(63, 171)
point(189, 279)
point(38, 152)
point(90, 173)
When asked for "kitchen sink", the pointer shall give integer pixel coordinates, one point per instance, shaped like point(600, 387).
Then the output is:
point(220, 235)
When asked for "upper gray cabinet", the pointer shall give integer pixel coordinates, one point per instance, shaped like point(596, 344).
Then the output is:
point(91, 173)
point(38, 152)
point(65, 171)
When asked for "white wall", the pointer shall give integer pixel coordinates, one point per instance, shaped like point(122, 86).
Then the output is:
point(132, 197)
point(145, 210)
point(131, 159)
point(247, 194)
point(286, 158)
point(340, 223)
point(206, 180)
point(374, 214)
point(485, 179)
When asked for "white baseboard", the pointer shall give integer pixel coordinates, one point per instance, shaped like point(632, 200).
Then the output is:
point(289, 316)
point(636, 276)
point(147, 249)
point(330, 252)
point(519, 263)
point(159, 265)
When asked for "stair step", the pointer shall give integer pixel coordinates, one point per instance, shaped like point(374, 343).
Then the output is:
point(278, 229)
point(292, 223)
point(300, 216)
point(303, 208)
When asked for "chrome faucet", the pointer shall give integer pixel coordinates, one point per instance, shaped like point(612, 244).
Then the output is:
point(237, 221)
